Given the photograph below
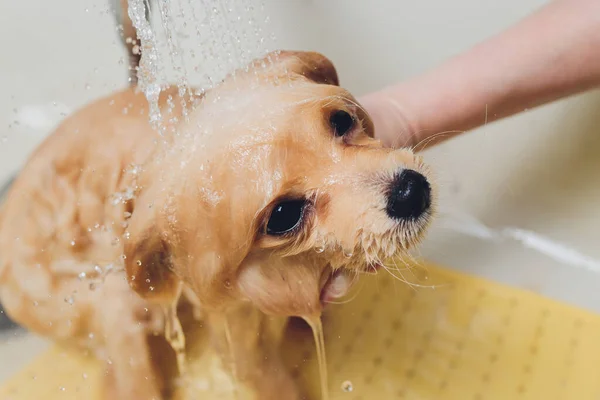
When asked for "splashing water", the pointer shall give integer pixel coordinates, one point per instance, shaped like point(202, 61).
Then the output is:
point(347, 386)
point(70, 299)
point(216, 37)
point(148, 74)
point(199, 44)
point(317, 328)
point(348, 253)
point(95, 276)
point(320, 244)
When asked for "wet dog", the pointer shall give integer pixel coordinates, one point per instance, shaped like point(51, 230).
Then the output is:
point(267, 199)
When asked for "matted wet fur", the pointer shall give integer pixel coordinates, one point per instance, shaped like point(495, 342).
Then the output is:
point(201, 228)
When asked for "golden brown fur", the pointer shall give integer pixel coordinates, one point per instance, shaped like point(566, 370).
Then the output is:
point(106, 205)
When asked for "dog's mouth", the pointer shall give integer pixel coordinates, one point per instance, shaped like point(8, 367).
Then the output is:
point(339, 282)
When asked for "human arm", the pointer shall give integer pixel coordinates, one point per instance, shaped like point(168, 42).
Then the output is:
point(549, 55)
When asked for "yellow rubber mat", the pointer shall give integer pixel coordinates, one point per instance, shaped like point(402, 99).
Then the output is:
point(464, 339)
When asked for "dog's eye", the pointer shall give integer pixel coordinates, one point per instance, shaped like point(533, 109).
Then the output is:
point(341, 122)
point(285, 217)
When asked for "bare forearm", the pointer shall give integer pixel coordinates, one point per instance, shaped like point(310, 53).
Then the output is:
point(549, 55)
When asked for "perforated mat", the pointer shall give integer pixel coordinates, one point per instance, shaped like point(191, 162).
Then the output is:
point(465, 339)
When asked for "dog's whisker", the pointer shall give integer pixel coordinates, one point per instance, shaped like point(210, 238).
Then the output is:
point(413, 284)
point(430, 138)
point(397, 277)
point(358, 105)
point(402, 270)
point(412, 261)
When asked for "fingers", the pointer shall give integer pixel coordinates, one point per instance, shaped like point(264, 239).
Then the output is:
point(393, 124)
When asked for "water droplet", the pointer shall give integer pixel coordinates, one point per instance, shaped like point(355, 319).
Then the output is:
point(151, 288)
point(91, 336)
point(139, 263)
point(319, 244)
point(97, 269)
point(70, 300)
point(227, 284)
point(134, 169)
point(82, 276)
point(72, 243)
point(347, 386)
point(348, 253)
point(62, 389)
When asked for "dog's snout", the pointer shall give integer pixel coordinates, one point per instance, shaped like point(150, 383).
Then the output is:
point(408, 196)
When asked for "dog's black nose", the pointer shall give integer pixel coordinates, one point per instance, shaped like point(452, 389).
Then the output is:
point(408, 196)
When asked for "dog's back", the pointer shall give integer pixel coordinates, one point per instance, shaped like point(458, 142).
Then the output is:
point(62, 226)
point(61, 211)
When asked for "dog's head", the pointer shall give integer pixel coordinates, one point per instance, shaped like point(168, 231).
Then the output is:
point(275, 192)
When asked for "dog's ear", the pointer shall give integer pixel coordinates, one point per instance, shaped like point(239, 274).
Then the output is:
point(169, 243)
point(148, 257)
point(311, 65)
point(149, 267)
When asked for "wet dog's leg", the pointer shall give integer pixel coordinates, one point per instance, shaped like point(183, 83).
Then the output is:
point(111, 321)
point(52, 305)
point(127, 322)
point(249, 343)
